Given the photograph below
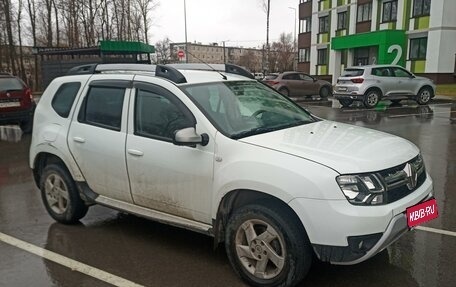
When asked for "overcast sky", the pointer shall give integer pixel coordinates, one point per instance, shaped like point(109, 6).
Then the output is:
point(239, 22)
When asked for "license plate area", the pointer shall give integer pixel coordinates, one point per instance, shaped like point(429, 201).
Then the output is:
point(342, 89)
point(10, 103)
point(422, 212)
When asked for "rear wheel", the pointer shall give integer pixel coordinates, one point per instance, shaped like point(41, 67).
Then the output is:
point(267, 247)
point(345, 102)
point(424, 96)
point(324, 92)
point(60, 195)
point(371, 98)
point(284, 91)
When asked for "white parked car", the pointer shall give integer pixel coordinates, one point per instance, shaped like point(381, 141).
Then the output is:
point(220, 153)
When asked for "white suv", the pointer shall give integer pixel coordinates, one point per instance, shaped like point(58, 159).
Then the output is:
point(220, 153)
point(370, 84)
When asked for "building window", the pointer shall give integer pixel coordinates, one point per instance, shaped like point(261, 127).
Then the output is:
point(324, 25)
point(389, 11)
point(418, 49)
point(304, 55)
point(322, 58)
point(421, 8)
point(364, 12)
point(342, 20)
point(305, 25)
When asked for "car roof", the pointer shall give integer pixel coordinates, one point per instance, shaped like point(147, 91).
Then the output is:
point(373, 66)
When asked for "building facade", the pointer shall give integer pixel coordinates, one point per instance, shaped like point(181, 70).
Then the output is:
point(419, 35)
point(215, 54)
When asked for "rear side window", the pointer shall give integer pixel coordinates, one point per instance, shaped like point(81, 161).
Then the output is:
point(10, 84)
point(352, 72)
point(64, 98)
point(103, 107)
point(291, 77)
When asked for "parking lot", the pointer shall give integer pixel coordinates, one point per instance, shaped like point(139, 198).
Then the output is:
point(112, 248)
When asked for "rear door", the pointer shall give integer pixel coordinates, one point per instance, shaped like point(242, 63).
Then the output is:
point(387, 82)
point(292, 83)
point(97, 135)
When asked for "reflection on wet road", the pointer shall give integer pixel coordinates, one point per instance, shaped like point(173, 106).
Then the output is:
point(153, 254)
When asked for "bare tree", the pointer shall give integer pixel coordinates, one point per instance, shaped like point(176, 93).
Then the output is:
point(163, 51)
point(283, 53)
point(7, 7)
point(145, 7)
point(19, 36)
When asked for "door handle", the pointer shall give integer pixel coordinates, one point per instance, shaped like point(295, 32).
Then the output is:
point(79, 139)
point(135, 152)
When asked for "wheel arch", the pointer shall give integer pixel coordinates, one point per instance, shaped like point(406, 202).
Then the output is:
point(427, 86)
point(44, 158)
point(238, 198)
point(374, 88)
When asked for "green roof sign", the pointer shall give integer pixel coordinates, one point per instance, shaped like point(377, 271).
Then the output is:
point(391, 44)
point(125, 47)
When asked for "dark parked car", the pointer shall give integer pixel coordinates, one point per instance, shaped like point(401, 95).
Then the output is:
point(16, 103)
point(295, 84)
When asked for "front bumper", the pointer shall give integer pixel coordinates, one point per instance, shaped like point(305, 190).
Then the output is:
point(342, 233)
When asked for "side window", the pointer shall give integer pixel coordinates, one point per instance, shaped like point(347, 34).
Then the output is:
point(64, 98)
point(381, 72)
point(401, 73)
point(306, 77)
point(157, 116)
point(291, 77)
point(103, 107)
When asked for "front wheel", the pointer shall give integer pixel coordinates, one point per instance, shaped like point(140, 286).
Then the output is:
point(60, 195)
point(424, 96)
point(267, 246)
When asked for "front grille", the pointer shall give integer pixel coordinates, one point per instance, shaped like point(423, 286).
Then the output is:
point(403, 179)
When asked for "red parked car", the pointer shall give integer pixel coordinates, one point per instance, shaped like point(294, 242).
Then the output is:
point(16, 103)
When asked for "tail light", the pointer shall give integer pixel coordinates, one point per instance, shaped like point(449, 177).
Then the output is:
point(273, 83)
point(357, 80)
point(28, 93)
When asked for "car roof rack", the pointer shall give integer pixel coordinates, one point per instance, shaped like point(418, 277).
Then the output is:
point(169, 71)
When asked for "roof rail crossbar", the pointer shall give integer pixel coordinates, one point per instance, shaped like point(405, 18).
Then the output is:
point(234, 69)
point(132, 67)
point(170, 73)
point(83, 70)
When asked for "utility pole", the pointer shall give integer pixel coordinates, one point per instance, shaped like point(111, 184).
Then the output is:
point(267, 35)
point(295, 45)
point(185, 19)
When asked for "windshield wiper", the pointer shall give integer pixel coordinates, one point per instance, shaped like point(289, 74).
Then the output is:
point(261, 130)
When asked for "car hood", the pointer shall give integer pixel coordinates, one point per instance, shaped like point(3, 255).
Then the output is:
point(344, 148)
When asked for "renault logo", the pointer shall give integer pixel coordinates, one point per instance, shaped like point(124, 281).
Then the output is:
point(8, 95)
point(411, 176)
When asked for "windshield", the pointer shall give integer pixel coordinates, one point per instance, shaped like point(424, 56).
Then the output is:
point(10, 84)
point(244, 108)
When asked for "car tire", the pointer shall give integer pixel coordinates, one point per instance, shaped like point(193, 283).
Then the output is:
point(267, 246)
point(284, 91)
point(424, 96)
point(26, 126)
point(325, 92)
point(371, 98)
point(60, 195)
point(345, 102)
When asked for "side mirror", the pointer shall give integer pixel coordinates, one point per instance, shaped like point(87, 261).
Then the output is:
point(189, 137)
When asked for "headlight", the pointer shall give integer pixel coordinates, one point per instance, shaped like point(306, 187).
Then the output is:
point(362, 189)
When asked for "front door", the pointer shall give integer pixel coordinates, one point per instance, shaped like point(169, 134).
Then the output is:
point(163, 176)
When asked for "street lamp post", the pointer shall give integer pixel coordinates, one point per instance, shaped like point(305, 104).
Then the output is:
point(294, 41)
point(185, 21)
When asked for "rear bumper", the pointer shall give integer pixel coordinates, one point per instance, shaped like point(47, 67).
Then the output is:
point(17, 116)
point(339, 96)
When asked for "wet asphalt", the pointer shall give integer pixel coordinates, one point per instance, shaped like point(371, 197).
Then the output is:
point(152, 254)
